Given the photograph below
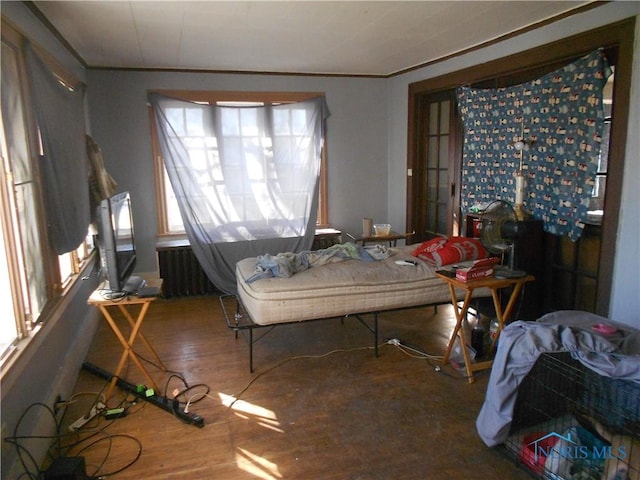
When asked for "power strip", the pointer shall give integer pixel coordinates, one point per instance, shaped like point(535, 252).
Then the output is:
point(95, 410)
point(147, 394)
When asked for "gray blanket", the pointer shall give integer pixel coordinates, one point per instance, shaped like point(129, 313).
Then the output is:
point(616, 356)
point(286, 264)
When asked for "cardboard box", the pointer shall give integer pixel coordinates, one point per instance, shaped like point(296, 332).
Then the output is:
point(478, 269)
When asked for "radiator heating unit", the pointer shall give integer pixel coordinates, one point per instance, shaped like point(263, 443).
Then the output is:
point(181, 273)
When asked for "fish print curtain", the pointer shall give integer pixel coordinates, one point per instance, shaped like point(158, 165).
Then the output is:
point(560, 119)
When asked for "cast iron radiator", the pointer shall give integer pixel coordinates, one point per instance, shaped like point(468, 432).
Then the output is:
point(181, 273)
point(183, 276)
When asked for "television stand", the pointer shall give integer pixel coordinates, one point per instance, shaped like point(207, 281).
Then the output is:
point(104, 303)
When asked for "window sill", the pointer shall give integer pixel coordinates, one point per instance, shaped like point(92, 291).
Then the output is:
point(22, 351)
point(177, 241)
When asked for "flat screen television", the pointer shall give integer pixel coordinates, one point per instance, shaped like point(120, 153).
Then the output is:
point(116, 242)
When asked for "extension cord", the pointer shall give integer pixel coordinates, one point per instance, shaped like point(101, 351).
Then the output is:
point(95, 410)
point(148, 395)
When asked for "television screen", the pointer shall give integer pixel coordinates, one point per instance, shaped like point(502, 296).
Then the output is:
point(117, 243)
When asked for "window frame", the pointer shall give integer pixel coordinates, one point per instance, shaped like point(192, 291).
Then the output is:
point(77, 261)
point(210, 97)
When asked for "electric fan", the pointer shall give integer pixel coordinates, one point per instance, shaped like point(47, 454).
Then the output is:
point(499, 228)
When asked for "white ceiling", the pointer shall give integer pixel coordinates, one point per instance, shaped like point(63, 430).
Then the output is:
point(313, 37)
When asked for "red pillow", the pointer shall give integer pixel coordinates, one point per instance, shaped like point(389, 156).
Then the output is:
point(430, 246)
point(442, 251)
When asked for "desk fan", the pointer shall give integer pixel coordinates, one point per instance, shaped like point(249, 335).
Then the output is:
point(499, 228)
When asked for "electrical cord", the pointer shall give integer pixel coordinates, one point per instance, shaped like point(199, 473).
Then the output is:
point(60, 445)
point(408, 350)
point(289, 359)
point(173, 373)
point(196, 397)
point(21, 450)
point(413, 351)
point(110, 439)
point(175, 392)
point(112, 295)
point(172, 376)
point(73, 399)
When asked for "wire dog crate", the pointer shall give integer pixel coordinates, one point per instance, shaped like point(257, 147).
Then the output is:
point(570, 423)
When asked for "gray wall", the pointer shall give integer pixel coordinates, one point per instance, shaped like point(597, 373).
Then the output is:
point(367, 148)
point(367, 177)
point(625, 301)
point(357, 144)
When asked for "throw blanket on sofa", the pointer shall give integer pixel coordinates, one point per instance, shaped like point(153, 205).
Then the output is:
point(288, 263)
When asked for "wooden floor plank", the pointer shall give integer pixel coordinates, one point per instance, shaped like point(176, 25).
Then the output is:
point(304, 413)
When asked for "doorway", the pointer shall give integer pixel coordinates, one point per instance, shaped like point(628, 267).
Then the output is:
point(424, 215)
point(436, 202)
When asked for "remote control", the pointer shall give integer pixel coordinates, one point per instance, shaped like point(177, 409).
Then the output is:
point(411, 263)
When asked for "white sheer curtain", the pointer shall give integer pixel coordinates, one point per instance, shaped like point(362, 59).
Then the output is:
point(245, 178)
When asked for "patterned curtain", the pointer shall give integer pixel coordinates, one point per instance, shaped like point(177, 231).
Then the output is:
point(560, 119)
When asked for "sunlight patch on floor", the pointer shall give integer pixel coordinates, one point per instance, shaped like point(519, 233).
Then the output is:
point(256, 465)
point(249, 411)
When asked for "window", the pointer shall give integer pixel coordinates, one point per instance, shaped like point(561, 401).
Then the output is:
point(596, 206)
point(32, 277)
point(169, 220)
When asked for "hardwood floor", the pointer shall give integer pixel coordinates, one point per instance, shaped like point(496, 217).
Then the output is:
point(318, 406)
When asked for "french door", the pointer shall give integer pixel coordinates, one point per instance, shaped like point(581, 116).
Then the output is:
point(433, 188)
point(436, 201)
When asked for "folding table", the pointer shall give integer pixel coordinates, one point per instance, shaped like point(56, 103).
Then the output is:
point(127, 305)
point(495, 285)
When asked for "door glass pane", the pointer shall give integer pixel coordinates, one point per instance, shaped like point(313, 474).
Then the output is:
point(442, 217)
point(431, 217)
point(432, 155)
point(444, 117)
point(433, 119)
point(432, 185)
point(443, 184)
point(443, 154)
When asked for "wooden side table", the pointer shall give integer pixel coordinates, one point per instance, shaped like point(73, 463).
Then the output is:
point(391, 239)
point(124, 304)
point(495, 285)
point(529, 248)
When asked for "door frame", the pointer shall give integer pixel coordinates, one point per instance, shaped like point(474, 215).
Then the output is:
point(620, 35)
point(420, 170)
